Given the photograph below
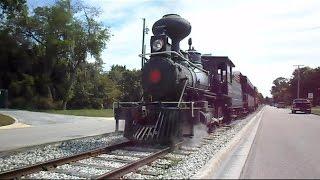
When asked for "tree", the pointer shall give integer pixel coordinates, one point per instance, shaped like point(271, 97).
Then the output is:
point(69, 37)
point(116, 73)
point(128, 82)
point(130, 86)
point(309, 82)
point(42, 52)
point(66, 38)
point(93, 89)
point(260, 98)
point(280, 90)
point(11, 7)
point(267, 100)
point(286, 90)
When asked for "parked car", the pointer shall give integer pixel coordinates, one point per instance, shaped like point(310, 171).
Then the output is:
point(281, 105)
point(303, 105)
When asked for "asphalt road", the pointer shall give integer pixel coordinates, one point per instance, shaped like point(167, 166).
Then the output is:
point(286, 146)
point(46, 128)
point(41, 118)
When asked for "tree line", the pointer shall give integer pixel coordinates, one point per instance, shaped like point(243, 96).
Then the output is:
point(43, 58)
point(285, 89)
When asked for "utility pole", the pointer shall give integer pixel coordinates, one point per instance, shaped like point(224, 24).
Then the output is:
point(298, 92)
point(144, 31)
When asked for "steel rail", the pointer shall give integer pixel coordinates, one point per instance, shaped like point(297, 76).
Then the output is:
point(133, 166)
point(18, 173)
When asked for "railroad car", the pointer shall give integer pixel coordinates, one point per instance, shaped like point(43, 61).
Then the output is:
point(249, 94)
point(182, 89)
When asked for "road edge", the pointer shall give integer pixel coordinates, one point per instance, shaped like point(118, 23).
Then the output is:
point(209, 169)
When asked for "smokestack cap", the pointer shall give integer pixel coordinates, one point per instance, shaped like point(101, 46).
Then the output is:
point(176, 27)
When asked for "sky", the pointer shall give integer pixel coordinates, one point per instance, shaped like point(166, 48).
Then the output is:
point(264, 39)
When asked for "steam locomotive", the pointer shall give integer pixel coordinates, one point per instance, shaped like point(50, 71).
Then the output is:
point(183, 89)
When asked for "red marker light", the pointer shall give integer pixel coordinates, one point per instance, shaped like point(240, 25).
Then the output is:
point(155, 76)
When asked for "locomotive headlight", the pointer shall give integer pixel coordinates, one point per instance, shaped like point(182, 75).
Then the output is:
point(157, 44)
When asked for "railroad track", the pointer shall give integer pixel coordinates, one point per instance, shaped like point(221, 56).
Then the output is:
point(109, 162)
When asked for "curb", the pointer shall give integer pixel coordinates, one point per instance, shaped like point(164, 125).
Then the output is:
point(14, 125)
point(209, 169)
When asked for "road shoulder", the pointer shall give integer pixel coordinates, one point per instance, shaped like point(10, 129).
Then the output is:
point(216, 165)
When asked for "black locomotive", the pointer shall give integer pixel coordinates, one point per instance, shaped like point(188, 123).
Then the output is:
point(182, 89)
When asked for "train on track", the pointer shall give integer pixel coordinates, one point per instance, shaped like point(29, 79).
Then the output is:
point(182, 89)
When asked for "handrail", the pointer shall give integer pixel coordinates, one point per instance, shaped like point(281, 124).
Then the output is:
point(174, 52)
point(165, 102)
point(162, 102)
point(184, 87)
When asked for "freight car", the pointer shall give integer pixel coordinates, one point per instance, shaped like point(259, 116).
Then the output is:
point(182, 89)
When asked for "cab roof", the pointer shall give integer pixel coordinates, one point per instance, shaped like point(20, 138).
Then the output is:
point(218, 59)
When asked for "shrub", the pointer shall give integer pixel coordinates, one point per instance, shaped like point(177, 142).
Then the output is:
point(14, 89)
point(44, 103)
point(58, 104)
point(96, 103)
point(18, 103)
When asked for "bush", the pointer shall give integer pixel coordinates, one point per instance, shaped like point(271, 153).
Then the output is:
point(96, 103)
point(58, 104)
point(43, 103)
point(18, 103)
point(15, 89)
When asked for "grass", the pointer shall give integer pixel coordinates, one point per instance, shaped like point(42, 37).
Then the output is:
point(316, 110)
point(5, 120)
point(84, 112)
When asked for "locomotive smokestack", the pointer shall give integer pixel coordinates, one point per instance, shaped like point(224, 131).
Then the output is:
point(173, 26)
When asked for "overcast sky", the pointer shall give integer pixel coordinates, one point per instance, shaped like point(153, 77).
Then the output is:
point(264, 39)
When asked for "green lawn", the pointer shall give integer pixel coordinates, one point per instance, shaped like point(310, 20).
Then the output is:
point(316, 110)
point(85, 112)
point(5, 120)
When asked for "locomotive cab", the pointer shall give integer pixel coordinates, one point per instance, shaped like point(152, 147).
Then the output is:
point(221, 69)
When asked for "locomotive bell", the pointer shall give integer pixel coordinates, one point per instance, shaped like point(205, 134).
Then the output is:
point(174, 26)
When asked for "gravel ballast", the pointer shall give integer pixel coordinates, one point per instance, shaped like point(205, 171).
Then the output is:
point(182, 163)
point(50, 175)
point(188, 160)
point(42, 153)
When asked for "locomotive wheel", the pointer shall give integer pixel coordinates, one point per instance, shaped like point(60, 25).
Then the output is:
point(212, 127)
point(220, 112)
point(226, 117)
